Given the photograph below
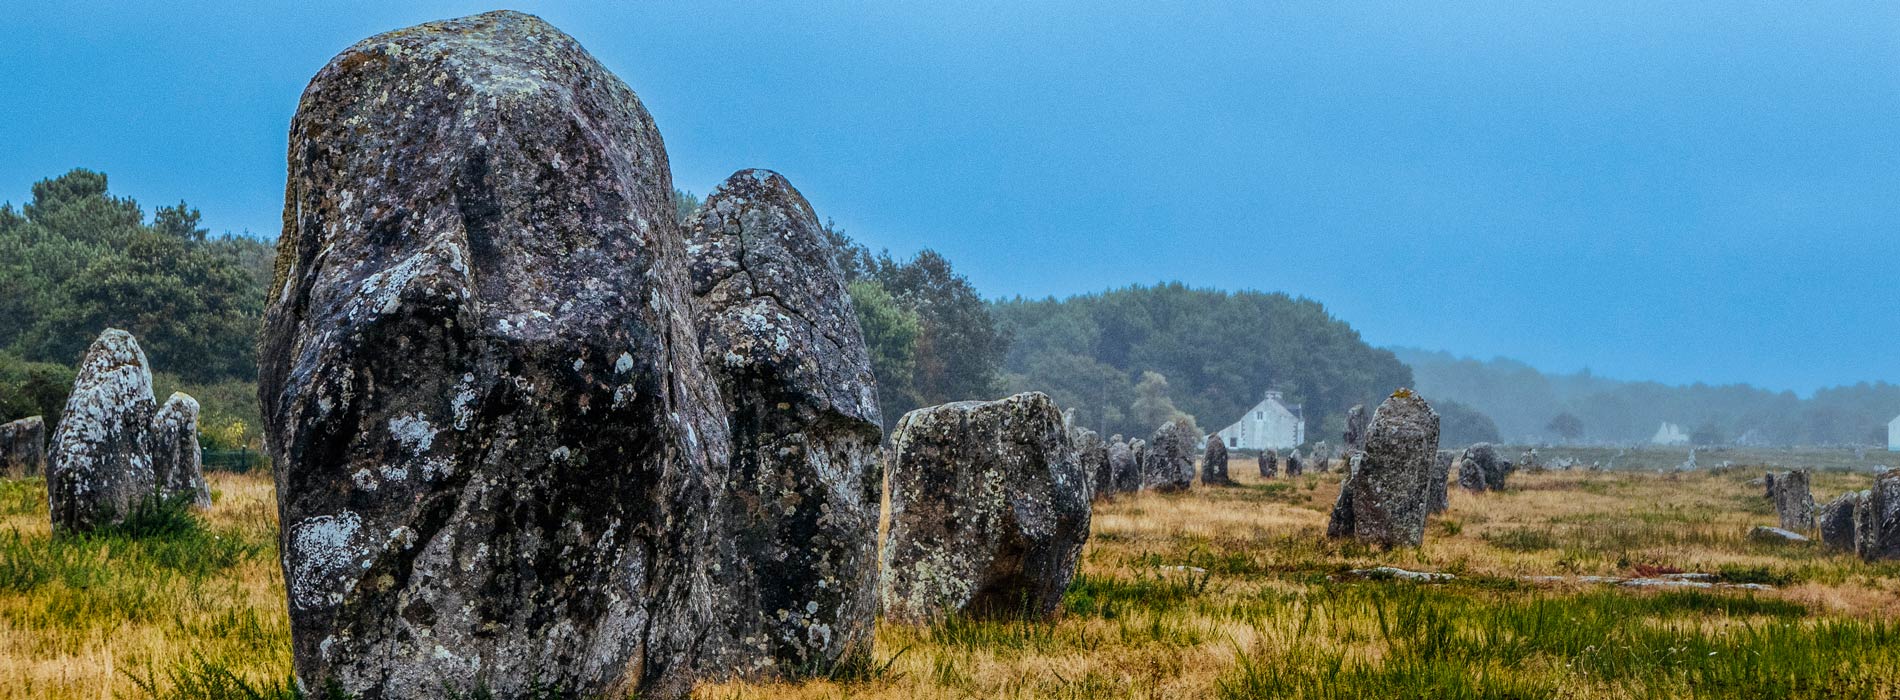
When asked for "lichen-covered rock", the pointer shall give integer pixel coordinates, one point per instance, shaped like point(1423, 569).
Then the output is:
point(1214, 463)
point(23, 447)
point(1092, 452)
point(1355, 437)
point(1294, 465)
point(498, 450)
point(1836, 522)
point(1437, 494)
point(177, 459)
point(1125, 471)
point(1138, 449)
point(1169, 464)
point(1877, 519)
point(1319, 457)
point(1269, 464)
point(1480, 469)
point(777, 329)
point(1768, 486)
point(989, 510)
point(1794, 500)
point(100, 465)
point(1384, 497)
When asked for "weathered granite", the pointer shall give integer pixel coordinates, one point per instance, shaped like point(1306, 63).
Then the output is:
point(1384, 498)
point(1169, 465)
point(178, 469)
point(100, 465)
point(23, 447)
point(1214, 463)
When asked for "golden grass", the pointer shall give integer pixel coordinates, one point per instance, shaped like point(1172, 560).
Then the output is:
point(1265, 588)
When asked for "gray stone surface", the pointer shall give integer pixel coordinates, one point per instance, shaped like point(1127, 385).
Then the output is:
point(23, 447)
point(1269, 464)
point(177, 460)
point(1092, 452)
point(1138, 449)
point(1480, 469)
point(1356, 423)
point(1169, 463)
point(1836, 522)
point(1214, 463)
point(1384, 498)
point(1877, 519)
point(499, 454)
point(1295, 466)
point(778, 332)
point(1125, 472)
point(1436, 494)
point(100, 464)
point(989, 511)
point(1775, 534)
point(1794, 500)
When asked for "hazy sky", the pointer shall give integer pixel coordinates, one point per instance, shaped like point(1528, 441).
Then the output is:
point(1672, 191)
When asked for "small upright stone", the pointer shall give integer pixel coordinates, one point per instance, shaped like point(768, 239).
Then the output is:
point(1269, 464)
point(100, 467)
point(1480, 469)
point(1794, 500)
point(1355, 429)
point(1384, 497)
point(1125, 473)
point(779, 335)
point(1836, 522)
point(23, 447)
point(1138, 449)
point(1436, 495)
point(1214, 463)
point(1294, 465)
point(1092, 452)
point(1319, 457)
point(1170, 461)
point(989, 511)
point(177, 459)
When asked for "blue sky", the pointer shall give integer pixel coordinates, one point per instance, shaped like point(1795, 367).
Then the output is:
point(1672, 191)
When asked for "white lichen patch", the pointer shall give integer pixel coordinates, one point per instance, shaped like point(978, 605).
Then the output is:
point(326, 552)
point(413, 432)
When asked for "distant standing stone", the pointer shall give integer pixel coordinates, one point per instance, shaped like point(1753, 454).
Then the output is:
point(1294, 465)
point(1476, 468)
point(1836, 522)
point(1436, 495)
point(1092, 452)
point(1269, 464)
point(1125, 473)
point(779, 335)
point(989, 511)
point(1877, 519)
point(1384, 497)
point(1170, 464)
point(1214, 463)
point(1794, 501)
point(1138, 449)
point(100, 466)
point(23, 447)
point(177, 459)
point(1355, 429)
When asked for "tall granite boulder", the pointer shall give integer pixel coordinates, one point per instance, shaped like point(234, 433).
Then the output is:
point(1269, 464)
point(1436, 493)
point(1214, 463)
point(989, 511)
point(1169, 466)
point(1125, 472)
point(1836, 521)
point(178, 469)
point(1355, 437)
point(1092, 452)
point(1794, 500)
point(100, 465)
point(1384, 497)
point(1294, 465)
point(499, 454)
point(778, 332)
point(23, 447)
point(1877, 519)
point(1480, 469)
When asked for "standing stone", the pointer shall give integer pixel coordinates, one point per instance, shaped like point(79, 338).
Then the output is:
point(1092, 452)
point(177, 459)
point(499, 454)
point(23, 447)
point(1269, 464)
point(989, 511)
point(1319, 457)
point(1794, 501)
point(1384, 496)
point(1169, 465)
point(100, 466)
point(1126, 472)
point(1836, 522)
point(1768, 486)
point(777, 329)
point(1214, 463)
point(1436, 496)
point(1480, 469)
point(1294, 466)
point(1355, 429)
point(1877, 518)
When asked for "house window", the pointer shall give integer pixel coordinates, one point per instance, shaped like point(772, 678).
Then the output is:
point(1259, 415)
point(1233, 442)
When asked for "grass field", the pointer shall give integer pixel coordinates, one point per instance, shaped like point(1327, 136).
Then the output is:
point(1228, 593)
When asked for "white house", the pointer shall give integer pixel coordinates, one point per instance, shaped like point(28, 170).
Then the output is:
point(1670, 434)
point(1269, 425)
point(1893, 434)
